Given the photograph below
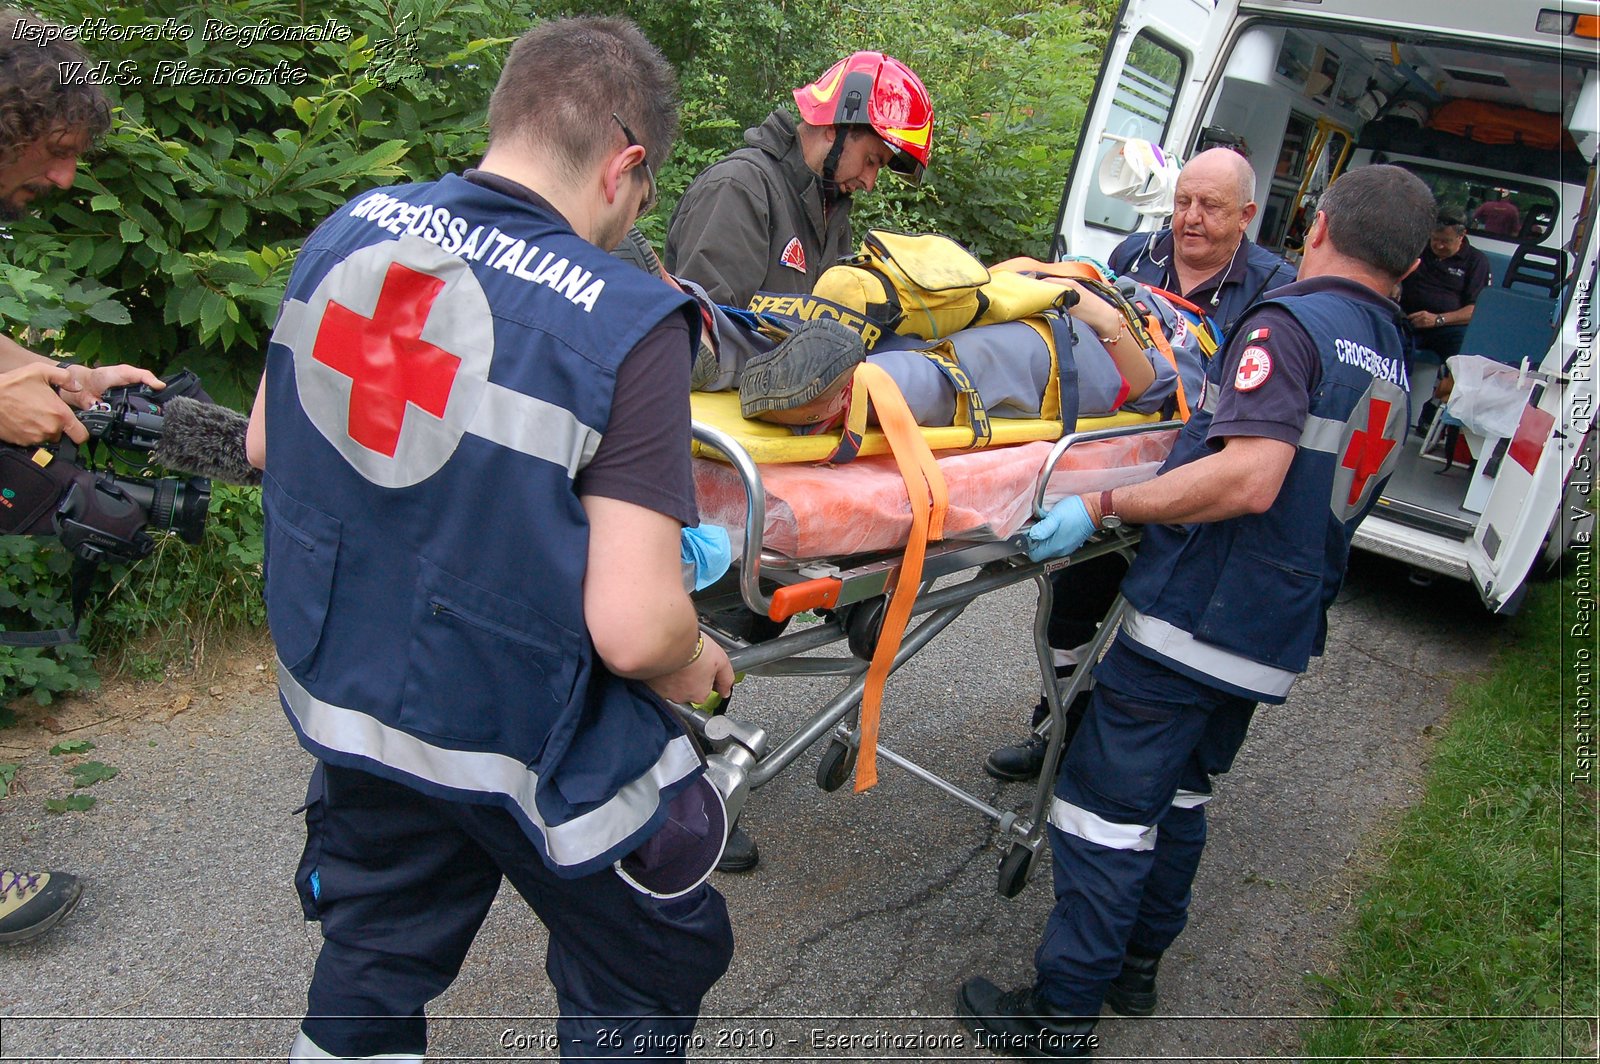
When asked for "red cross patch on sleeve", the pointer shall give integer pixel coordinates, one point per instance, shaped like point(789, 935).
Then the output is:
point(1255, 366)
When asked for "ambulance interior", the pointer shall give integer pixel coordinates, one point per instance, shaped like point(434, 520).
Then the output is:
point(1516, 130)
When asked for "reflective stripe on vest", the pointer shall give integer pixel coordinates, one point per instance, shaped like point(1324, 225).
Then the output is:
point(580, 839)
point(1172, 642)
point(1189, 799)
point(1091, 827)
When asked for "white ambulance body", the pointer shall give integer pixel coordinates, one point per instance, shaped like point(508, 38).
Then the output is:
point(1489, 101)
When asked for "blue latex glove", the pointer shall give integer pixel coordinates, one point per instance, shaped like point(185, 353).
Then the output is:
point(706, 552)
point(1061, 531)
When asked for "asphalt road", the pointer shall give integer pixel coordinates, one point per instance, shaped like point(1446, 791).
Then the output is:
point(867, 912)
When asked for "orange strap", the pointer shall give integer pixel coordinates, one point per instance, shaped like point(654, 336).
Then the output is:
point(925, 488)
point(1152, 325)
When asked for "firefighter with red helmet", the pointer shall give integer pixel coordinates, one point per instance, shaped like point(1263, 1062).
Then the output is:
point(773, 215)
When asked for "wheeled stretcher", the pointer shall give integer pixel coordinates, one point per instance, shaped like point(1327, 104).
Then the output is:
point(851, 546)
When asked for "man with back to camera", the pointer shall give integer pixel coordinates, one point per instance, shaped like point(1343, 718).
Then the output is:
point(1205, 257)
point(1246, 535)
point(475, 481)
point(46, 124)
point(774, 215)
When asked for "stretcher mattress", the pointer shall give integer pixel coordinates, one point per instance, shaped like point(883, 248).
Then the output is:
point(832, 511)
point(769, 444)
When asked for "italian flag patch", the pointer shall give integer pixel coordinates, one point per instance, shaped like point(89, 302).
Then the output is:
point(1257, 336)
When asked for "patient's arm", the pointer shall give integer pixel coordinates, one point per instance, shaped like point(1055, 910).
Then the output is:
point(1112, 329)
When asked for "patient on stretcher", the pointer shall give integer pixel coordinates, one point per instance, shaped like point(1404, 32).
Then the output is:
point(1100, 365)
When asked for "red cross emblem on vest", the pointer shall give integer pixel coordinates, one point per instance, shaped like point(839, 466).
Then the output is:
point(389, 365)
point(1368, 448)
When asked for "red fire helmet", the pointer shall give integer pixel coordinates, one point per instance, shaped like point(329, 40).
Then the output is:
point(877, 90)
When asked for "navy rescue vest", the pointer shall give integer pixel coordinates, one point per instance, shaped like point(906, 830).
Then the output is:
point(442, 368)
point(1240, 604)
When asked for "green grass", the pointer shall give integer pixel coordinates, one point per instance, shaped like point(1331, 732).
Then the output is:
point(1477, 934)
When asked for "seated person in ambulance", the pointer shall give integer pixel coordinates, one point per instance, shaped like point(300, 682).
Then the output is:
point(1441, 294)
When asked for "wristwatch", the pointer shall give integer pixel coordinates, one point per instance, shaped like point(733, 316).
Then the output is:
point(1108, 512)
point(1438, 320)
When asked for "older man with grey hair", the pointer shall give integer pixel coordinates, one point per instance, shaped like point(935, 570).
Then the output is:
point(1204, 255)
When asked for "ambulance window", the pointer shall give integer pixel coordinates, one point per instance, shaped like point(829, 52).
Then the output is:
point(1142, 107)
point(1494, 208)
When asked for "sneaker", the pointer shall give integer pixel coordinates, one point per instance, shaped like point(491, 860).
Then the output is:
point(1021, 1023)
point(31, 903)
point(1133, 991)
point(740, 854)
point(809, 362)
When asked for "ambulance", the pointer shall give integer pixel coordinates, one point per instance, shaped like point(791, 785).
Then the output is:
point(1496, 105)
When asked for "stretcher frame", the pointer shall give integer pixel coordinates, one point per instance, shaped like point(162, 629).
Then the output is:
point(849, 596)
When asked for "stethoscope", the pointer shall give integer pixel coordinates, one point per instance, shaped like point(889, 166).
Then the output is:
point(1149, 249)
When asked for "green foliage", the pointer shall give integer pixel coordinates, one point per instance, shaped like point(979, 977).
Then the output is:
point(162, 609)
point(1484, 905)
point(34, 597)
point(8, 773)
point(72, 803)
point(88, 773)
point(71, 746)
point(191, 215)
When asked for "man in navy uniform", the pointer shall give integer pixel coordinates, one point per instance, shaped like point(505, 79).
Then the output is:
point(1246, 534)
point(475, 480)
point(1205, 257)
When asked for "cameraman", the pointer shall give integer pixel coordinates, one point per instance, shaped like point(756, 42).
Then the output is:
point(46, 123)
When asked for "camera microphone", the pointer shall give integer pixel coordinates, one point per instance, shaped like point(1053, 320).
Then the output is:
point(205, 440)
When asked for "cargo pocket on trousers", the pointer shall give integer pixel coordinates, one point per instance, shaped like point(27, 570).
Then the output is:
point(471, 651)
point(308, 876)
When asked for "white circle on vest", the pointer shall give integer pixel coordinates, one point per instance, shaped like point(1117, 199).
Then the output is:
point(392, 358)
point(1255, 366)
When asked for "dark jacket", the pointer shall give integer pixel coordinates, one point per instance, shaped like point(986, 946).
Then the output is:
point(755, 220)
point(1148, 257)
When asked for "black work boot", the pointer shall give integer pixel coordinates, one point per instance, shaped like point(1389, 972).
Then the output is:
point(1133, 991)
point(1021, 1023)
point(1024, 760)
point(740, 853)
point(810, 361)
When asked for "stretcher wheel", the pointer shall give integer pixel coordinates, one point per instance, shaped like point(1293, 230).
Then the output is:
point(833, 768)
point(1013, 872)
point(865, 625)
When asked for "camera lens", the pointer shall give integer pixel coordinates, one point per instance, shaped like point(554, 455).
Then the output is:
point(173, 505)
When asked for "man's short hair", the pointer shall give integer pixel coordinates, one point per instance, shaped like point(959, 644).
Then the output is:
point(564, 79)
point(1449, 218)
point(35, 100)
point(1380, 215)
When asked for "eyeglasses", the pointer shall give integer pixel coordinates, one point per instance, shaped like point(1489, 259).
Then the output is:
point(649, 174)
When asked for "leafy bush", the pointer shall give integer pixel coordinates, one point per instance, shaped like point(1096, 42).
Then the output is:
point(174, 246)
point(160, 610)
point(192, 214)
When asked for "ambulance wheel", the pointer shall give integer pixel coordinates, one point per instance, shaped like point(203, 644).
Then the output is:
point(1013, 871)
point(833, 768)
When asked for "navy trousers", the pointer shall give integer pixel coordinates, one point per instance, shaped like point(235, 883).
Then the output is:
point(1128, 822)
point(401, 882)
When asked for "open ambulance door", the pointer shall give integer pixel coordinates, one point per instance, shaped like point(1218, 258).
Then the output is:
point(1529, 516)
point(1151, 86)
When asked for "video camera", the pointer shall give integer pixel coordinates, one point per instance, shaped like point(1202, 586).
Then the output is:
point(98, 513)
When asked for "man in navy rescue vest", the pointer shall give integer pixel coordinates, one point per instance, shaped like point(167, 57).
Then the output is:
point(1246, 534)
point(475, 481)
